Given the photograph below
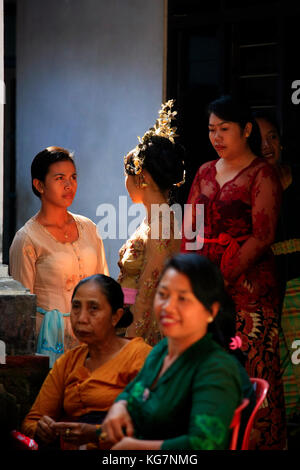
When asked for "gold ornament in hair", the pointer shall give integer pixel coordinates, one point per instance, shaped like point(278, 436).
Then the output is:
point(162, 128)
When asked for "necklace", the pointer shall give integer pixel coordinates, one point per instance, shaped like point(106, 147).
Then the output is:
point(65, 232)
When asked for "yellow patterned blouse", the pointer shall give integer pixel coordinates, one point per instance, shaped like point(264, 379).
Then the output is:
point(142, 259)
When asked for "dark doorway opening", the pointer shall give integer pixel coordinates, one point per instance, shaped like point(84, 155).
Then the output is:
point(219, 47)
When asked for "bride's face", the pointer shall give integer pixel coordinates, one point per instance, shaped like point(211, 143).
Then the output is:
point(133, 189)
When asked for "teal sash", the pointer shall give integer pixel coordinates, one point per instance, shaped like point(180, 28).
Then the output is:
point(51, 336)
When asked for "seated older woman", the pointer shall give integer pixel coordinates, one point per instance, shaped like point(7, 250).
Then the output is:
point(85, 381)
point(186, 394)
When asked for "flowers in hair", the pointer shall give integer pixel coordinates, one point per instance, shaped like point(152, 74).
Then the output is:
point(236, 343)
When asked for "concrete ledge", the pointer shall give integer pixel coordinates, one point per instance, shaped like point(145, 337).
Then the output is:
point(17, 315)
point(20, 381)
point(17, 323)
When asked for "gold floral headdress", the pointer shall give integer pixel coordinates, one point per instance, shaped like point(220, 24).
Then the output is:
point(162, 127)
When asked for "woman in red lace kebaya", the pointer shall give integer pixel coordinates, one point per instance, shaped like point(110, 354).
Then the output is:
point(240, 195)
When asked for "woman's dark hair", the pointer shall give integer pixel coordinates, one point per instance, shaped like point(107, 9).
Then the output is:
point(113, 293)
point(234, 109)
point(208, 287)
point(269, 117)
point(164, 161)
point(44, 159)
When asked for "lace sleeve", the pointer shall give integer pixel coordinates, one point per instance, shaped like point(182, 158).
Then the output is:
point(265, 199)
point(101, 258)
point(190, 215)
point(22, 259)
point(156, 253)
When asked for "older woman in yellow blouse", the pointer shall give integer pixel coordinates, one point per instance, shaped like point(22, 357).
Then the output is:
point(55, 249)
point(86, 380)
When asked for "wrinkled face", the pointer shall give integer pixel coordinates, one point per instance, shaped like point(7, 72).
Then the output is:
point(179, 313)
point(227, 138)
point(270, 141)
point(91, 314)
point(60, 185)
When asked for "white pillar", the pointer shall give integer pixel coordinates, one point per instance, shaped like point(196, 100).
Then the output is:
point(2, 100)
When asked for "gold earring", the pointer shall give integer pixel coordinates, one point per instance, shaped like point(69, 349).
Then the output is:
point(210, 320)
point(141, 182)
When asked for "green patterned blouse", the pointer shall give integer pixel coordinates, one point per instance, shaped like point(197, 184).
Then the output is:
point(192, 404)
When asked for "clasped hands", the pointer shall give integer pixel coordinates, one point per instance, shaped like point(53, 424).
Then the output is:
point(116, 431)
point(74, 433)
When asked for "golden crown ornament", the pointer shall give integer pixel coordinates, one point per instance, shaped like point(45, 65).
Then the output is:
point(162, 128)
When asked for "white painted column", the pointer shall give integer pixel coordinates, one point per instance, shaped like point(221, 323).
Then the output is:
point(2, 100)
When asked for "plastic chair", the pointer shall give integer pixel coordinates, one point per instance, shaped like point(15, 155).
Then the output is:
point(235, 424)
point(261, 390)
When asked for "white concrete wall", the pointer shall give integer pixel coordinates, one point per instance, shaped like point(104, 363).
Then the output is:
point(89, 78)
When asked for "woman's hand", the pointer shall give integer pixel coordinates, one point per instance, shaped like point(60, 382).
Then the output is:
point(117, 423)
point(129, 443)
point(76, 433)
point(126, 443)
point(45, 430)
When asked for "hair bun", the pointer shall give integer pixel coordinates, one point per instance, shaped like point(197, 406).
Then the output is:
point(165, 162)
point(126, 319)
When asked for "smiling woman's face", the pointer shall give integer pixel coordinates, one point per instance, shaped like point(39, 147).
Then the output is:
point(270, 141)
point(178, 311)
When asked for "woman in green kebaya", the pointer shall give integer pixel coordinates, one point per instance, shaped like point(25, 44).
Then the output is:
point(186, 394)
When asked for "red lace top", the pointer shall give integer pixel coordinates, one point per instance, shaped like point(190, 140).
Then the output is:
point(240, 217)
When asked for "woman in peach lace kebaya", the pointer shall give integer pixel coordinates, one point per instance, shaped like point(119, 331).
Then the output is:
point(55, 249)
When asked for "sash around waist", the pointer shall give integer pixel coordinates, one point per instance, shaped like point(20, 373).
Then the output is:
point(223, 239)
point(286, 247)
point(129, 295)
point(42, 311)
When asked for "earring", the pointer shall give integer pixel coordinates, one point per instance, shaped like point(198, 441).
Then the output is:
point(210, 320)
point(141, 182)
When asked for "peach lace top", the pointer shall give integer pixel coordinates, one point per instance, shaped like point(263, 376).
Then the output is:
point(141, 261)
point(51, 269)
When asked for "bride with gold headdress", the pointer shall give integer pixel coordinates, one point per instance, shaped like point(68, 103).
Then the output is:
point(152, 170)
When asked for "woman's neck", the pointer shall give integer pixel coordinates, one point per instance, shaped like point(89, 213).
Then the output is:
point(99, 353)
point(177, 346)
point(154, 198)
point(53, 215)
point(285, 175)
point(238, 161)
